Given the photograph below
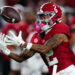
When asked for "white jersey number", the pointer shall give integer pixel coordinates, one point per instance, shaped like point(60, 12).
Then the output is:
point(54, 61)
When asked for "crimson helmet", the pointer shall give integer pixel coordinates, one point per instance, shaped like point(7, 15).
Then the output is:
point(48, 9)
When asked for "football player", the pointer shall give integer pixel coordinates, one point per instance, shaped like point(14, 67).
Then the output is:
point(51, 41)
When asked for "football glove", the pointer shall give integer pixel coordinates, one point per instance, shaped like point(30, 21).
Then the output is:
point(3, 45)
point(15, 40)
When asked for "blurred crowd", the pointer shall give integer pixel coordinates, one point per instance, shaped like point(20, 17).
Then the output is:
point(27, 10)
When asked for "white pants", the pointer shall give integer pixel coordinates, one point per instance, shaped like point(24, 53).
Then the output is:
point(68, 71)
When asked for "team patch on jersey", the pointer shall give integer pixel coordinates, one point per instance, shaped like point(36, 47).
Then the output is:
point(35, 40)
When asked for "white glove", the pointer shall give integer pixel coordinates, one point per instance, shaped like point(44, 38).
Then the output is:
point(3, 45)
point(15, 40)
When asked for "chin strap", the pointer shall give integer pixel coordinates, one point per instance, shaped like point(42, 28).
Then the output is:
point(42, 35)
point(45, 30)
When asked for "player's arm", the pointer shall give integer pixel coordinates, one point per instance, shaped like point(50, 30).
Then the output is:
point(23, 56)
point(3, 47)
point(52, 43)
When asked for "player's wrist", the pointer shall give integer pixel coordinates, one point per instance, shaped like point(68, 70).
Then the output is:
point(22, 44)
point(29, 46)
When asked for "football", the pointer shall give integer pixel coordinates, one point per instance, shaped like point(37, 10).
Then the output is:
point(10, 14)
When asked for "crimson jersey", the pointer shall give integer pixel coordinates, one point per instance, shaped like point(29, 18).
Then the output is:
point(61, 56)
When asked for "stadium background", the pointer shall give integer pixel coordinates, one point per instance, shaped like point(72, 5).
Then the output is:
point(29, 8)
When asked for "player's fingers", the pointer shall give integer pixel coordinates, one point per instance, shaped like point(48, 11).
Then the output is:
point(9, 43)
point(12, 34)
point(20, 34)
point(9, 37)
point(0, 35)
point(3, 37)
point(6, 40)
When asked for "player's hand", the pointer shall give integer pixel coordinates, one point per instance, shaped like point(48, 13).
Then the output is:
point(3, 45)
point(15, 40)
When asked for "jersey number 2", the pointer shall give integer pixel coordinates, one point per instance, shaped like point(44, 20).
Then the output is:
point(54, 61)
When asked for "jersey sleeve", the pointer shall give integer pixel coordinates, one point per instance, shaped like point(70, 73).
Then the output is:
point(61, 28)
point(36, 39)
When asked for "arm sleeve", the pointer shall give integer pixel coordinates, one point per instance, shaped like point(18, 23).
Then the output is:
point(61, 29)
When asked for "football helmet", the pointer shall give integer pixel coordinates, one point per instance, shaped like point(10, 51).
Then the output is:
point(48, 15)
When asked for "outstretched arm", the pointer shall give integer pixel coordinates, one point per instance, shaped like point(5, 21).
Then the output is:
point(23, 56)
point(52, 43)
